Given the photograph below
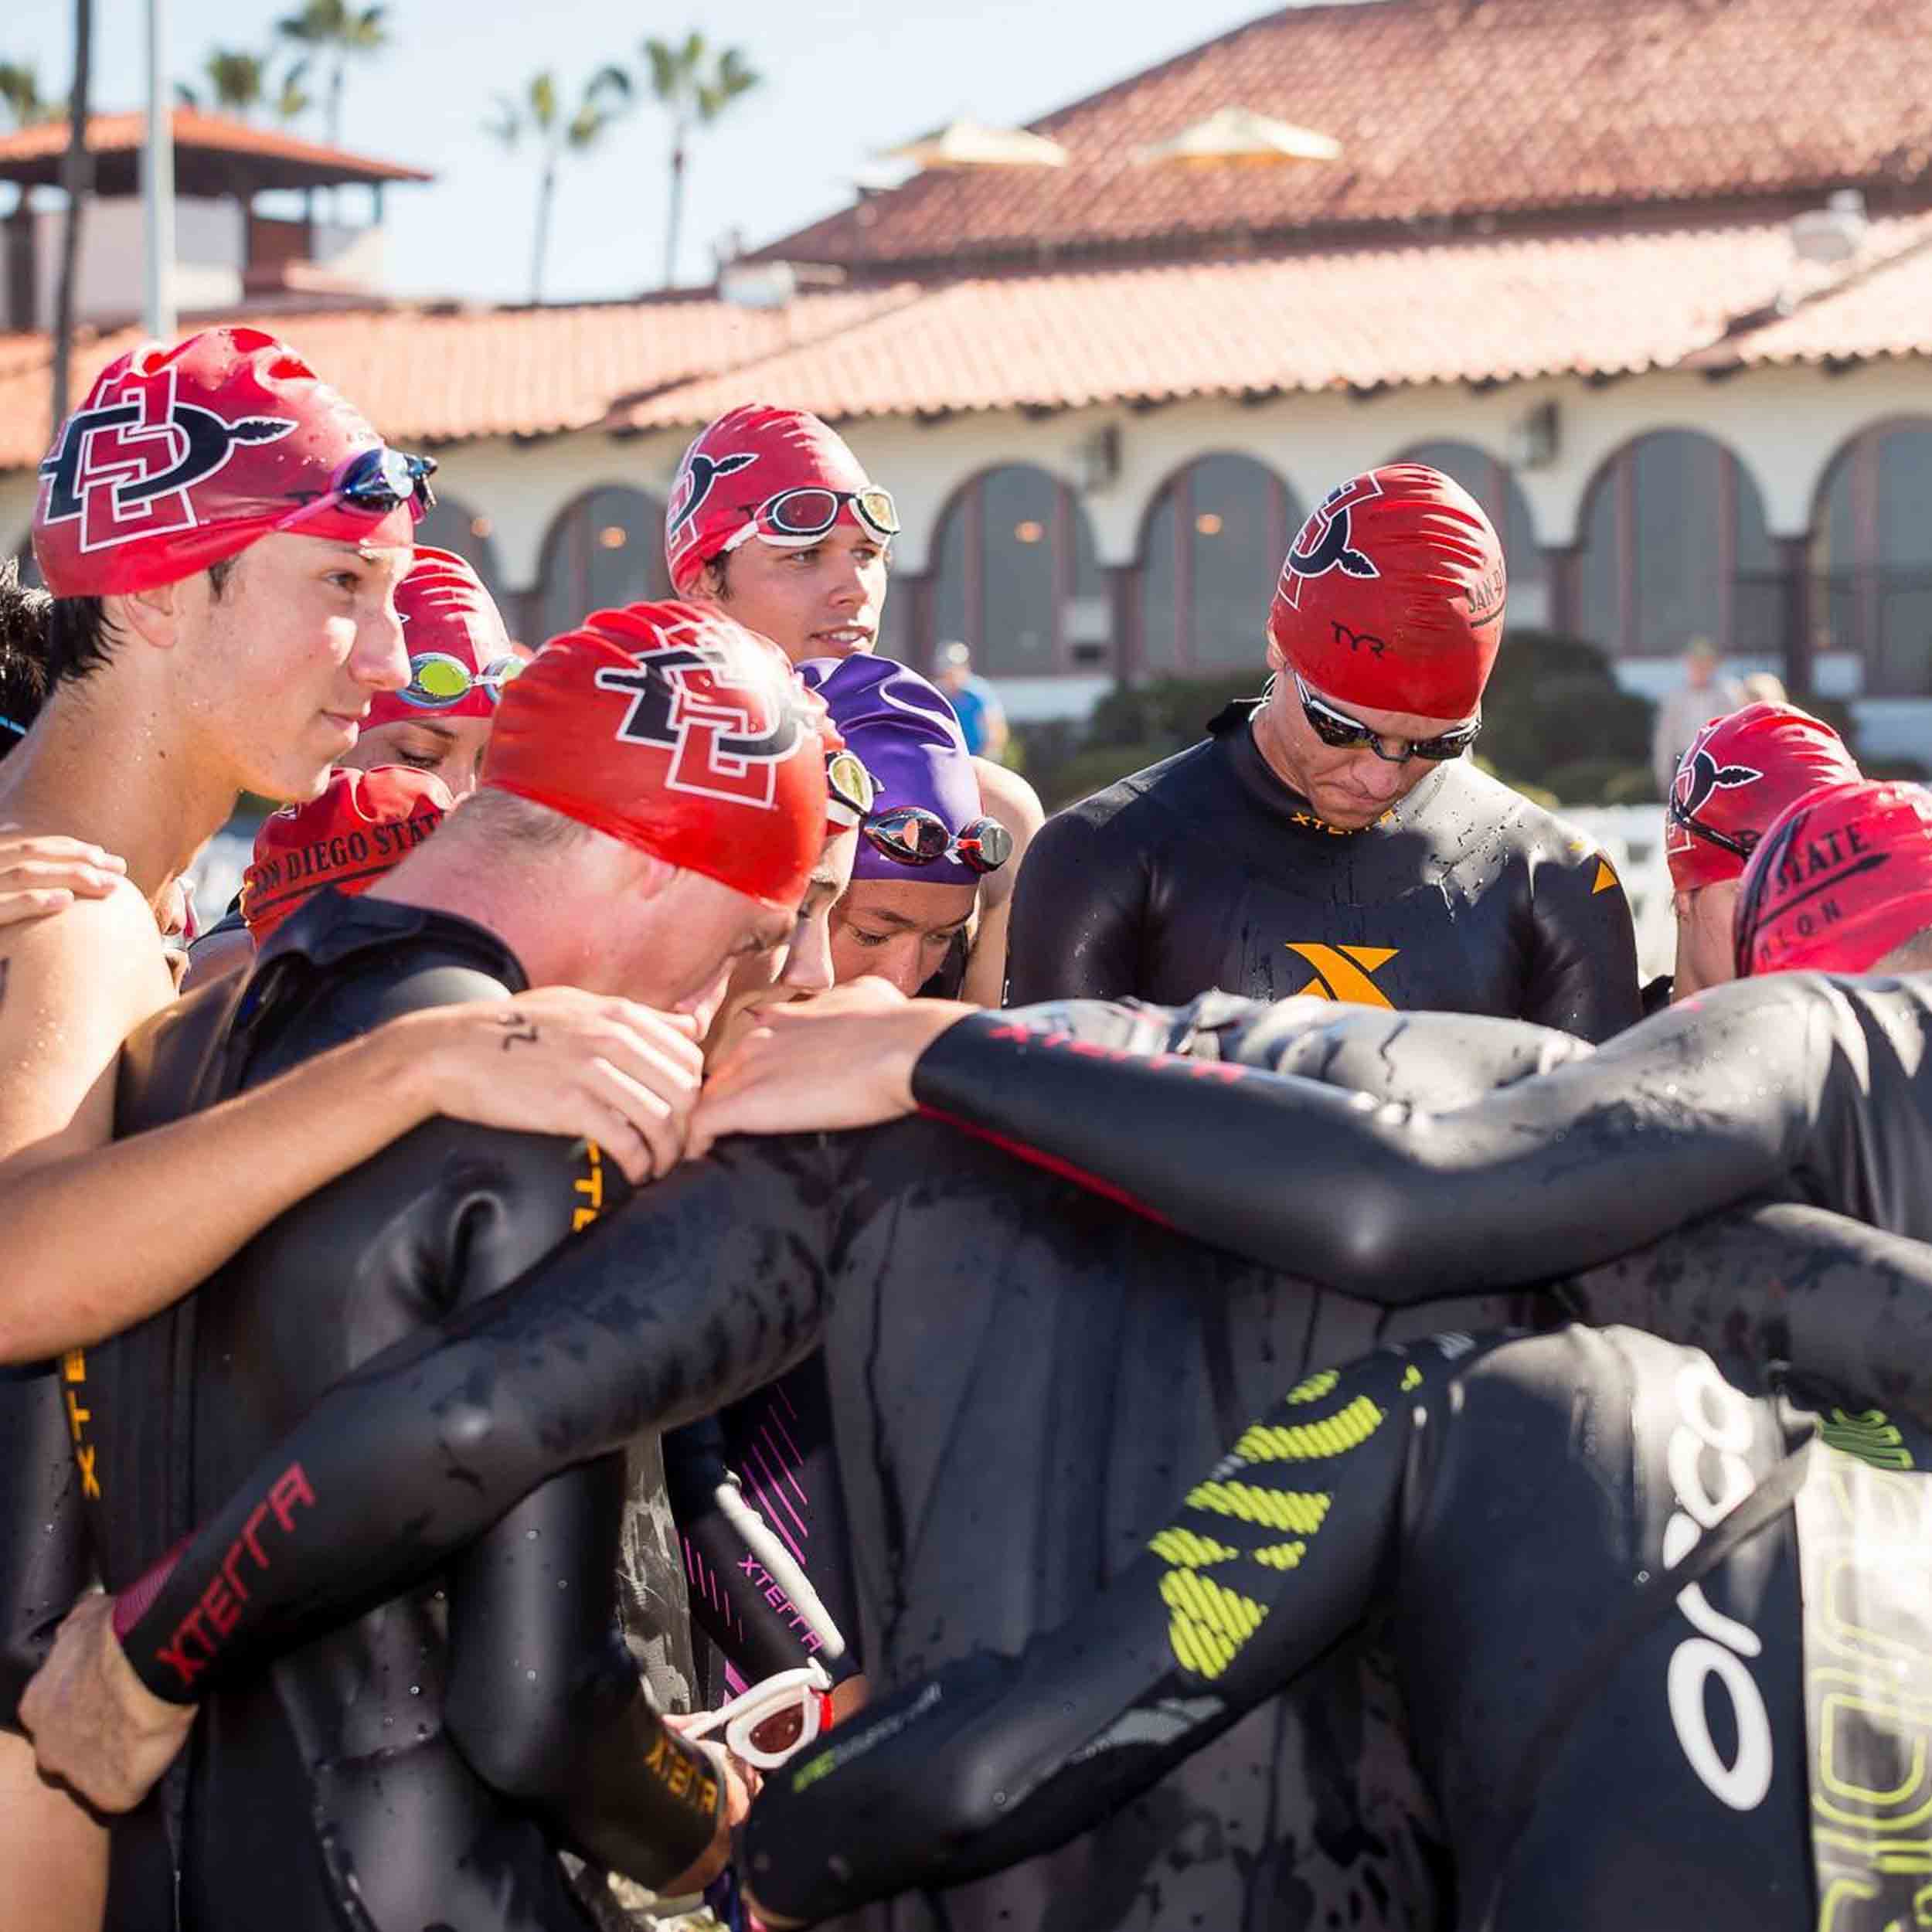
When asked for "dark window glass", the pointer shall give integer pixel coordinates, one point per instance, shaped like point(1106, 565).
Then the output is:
point(605, 549)
point(453, 525)
point(1160, 587)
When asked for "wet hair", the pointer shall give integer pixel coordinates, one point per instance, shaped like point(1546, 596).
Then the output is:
point(80, 640)
point(25, 617)
point(507, 820)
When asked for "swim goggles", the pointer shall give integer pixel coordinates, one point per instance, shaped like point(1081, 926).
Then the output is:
point(911, 835)
point(373, 483)
point(1342, 732)
point(793, 519)
point(855, 791)
point(437, 680)
point(766, 1724)
point(1741, 847)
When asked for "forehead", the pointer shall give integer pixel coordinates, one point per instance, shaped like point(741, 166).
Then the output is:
point(282, 549)
point(915, 905)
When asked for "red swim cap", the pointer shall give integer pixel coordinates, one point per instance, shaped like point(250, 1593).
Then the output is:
point(460, 656)
point(747, 457)
point(1741, 771)
point(181, 456)
point(1841, 877)
point(672, 728)
point(1392, 595)
point(363, 823)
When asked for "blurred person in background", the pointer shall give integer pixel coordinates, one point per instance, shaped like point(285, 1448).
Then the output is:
point(222, 535)
point(1701, 696)
point(773, 518)
point(1741, 771)
point(1333, 839)
point(974, 701)
point(1760, 687)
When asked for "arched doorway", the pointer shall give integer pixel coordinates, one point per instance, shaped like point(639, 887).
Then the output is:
point(605, 549)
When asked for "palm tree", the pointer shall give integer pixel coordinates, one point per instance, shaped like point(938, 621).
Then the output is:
point(20, 96)
point(693, 90)
point(77, 177)
point(335, 31)
point(539, 115)
point(237, 82)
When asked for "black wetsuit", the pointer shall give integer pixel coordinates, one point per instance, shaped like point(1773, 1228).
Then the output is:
point(1797, 1087)
point(1604, 1756)
point(420, 1764)
point(1206, 871)
point(1020, 1375)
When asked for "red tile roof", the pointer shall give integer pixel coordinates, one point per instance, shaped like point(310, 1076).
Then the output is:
point(1500, 310)
point(1477, 311)
point(425, 376)
point(24, 153)
point(1447, 108)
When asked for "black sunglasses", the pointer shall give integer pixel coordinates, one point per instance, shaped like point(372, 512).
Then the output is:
point(1342, 732)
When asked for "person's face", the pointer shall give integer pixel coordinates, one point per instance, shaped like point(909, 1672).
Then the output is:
point(1698, 668)
point(822, 602)
point(281, 667)
point(1704, 953)
point(897, 930)
point(676, 948)
point(450, 749)
point(1347, 788)
point(798, 967)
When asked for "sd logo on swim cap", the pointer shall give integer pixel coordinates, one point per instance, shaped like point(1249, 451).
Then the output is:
point(1391, 597)
point(679, 731)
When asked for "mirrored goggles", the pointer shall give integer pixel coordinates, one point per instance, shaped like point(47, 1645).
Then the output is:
point(855, 791)
point(793, 519)
point(911, 835)
point(378, 480)
point(766, 1724)
point(438, 680)
point(1342, 732)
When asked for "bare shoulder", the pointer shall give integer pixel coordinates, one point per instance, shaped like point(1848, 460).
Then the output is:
point(1007, 797)
point(72, 987)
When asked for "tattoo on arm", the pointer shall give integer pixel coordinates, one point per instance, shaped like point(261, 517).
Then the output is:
point(517, 1028)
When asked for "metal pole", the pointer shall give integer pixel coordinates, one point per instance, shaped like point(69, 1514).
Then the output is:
point(157, 182)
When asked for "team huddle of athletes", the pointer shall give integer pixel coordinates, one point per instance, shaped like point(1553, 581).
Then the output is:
point(682, 1299)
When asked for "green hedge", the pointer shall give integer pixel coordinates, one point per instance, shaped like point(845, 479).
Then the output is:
point(1554, 722)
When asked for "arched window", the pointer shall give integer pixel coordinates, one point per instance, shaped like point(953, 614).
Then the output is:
point(605, 549)
point(1212, 550)
point(1015, 576)
point(1674, 547)
point(1872, 558)
point(1501, 495)
point(453, 526)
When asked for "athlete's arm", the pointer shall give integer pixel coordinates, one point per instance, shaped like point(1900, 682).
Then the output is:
point(691, 1293)
point(1268, 1564)
point(1079, 904)
point(1006, 796)
point(544, 1700)
point(1583, 971)
point(1701, 1107)
point(118, 1231)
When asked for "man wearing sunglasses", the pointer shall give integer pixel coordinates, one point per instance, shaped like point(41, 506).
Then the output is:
point(1741, 771)
point(1334, 839)
point(223, 536)
point(773, 518)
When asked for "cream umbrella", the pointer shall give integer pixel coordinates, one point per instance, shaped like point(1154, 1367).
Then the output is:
point(968, 143)
point(1238, 135)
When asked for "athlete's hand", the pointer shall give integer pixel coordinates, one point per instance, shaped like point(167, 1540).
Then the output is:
point(43, 875)
point(559, 1061)
point(843, 1059)
point(740, 1788)
point(95, 1725)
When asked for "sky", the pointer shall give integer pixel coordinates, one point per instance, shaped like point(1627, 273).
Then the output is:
point(842, 81)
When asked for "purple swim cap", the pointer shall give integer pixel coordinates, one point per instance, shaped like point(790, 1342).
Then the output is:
point(908, 737)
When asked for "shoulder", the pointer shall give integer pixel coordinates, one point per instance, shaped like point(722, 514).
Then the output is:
point(1006, 796)
point(1155, 791)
